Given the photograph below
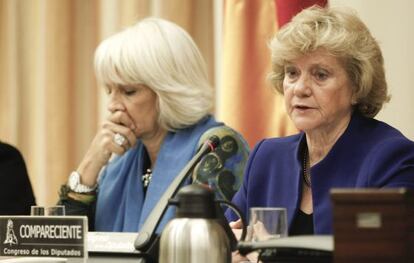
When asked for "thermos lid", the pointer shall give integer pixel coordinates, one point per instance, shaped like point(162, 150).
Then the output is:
point(195, 201)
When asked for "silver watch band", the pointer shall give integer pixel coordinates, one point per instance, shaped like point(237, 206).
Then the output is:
point(76, 186)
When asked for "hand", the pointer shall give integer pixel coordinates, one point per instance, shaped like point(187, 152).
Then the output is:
point(103, 145)
point(236, 257)
point(236, 224)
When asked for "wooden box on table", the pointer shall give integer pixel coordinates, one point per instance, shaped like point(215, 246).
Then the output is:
point(373, 225)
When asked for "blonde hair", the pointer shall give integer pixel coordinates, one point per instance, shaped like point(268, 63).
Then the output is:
point(162, 56)
point(340, 32)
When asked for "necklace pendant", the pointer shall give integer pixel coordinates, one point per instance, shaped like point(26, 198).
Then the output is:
point(146, 178)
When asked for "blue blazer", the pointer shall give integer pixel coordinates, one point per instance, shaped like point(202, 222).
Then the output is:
point(370, 153)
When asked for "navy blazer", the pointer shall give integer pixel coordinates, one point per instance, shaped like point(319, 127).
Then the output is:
point(369, 153)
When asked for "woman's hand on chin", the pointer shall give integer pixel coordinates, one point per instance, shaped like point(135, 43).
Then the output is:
point(112, 137)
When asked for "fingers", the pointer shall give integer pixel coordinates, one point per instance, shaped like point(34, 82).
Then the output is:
point(105, 143)
point(119, 131)
point(118, 139)
point(237, 233)
point(122, 118)
point(236, 224)
point(120, 122)
point(237, 258)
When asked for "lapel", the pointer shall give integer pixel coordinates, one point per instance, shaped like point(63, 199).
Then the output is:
point(169, 164)
point(177, 149)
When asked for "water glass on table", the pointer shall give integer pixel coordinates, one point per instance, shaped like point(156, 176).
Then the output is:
point(36, 210)
point(57, 210)
point(267, 223)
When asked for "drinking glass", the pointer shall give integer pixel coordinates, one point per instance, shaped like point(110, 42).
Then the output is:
point(36, 210)
point(57, 210)
point(268, 223)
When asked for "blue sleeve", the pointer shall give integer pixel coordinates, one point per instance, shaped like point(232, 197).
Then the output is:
point(392, 164)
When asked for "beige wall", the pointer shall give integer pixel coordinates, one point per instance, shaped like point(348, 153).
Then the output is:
point(392, 23)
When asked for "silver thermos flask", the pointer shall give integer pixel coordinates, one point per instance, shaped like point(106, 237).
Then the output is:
point(194, 236)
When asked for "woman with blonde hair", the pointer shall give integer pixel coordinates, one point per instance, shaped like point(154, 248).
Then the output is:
point(159, 115)
point(330, 70)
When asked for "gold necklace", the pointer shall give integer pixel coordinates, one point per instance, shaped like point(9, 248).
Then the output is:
point(306, 169)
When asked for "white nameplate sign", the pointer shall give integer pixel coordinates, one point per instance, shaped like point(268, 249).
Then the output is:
point(115, 242)
point(43, 236)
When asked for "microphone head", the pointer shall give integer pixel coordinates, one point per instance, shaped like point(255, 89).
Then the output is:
point(213, 141)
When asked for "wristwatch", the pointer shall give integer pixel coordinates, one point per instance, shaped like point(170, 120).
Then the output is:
point(76, 186)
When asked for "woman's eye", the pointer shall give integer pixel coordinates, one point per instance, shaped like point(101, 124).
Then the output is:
point(129, 92)
point(321, 75)
point(291, 73)
point(108, 90)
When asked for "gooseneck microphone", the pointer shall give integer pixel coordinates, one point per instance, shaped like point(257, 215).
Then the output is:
point(146, 237)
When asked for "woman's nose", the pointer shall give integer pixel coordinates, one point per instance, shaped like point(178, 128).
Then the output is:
point(115, 104)
point(303, 86)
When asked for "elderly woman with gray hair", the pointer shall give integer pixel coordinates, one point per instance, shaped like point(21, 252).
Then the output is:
point(330, 70)
point(159, 104)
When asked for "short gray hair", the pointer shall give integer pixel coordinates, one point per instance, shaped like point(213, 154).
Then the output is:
point(340, 32)
point(162, 56)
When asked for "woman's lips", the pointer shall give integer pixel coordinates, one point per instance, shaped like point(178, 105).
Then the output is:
point(302, 108)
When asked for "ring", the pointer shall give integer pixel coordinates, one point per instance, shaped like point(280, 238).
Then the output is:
point(119, 139)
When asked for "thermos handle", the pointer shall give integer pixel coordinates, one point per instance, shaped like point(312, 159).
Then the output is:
point(223, 221)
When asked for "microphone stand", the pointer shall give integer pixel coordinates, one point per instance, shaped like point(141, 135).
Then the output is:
point(147, 241)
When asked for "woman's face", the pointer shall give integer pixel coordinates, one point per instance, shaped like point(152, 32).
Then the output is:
point(317, 92)
point(138, 105)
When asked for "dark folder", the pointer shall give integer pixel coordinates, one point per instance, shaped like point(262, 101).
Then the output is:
point(297, 249)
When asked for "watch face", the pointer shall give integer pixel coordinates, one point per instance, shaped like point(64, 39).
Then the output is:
point(73, 180)
point(76, 186)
